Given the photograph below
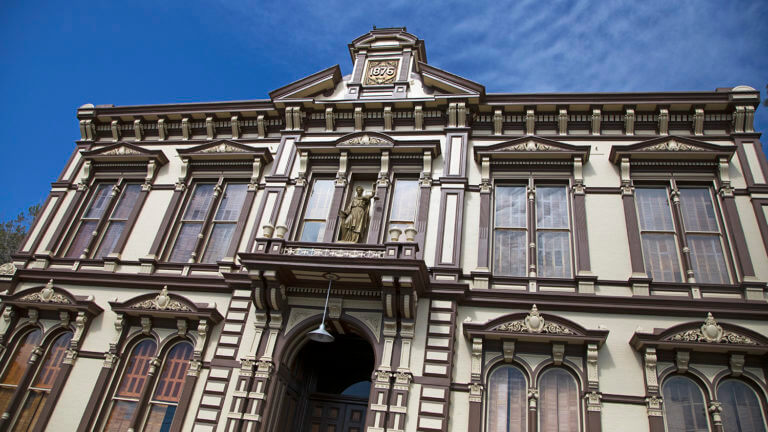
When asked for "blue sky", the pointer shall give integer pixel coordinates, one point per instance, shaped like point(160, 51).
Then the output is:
point(57, 56)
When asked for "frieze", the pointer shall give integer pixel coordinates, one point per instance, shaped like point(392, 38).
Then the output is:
point(672, 146)
point(46, 295)
point(531, 146)
point(534, 323)
point(162, 302)
point(223, 148)
point(337, 253)
point(366, 140)
point(121, 151)
point(711, 332)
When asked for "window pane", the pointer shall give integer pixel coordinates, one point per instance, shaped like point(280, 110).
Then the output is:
point(18, 365)
point(82, 238)
point(30, 413)
point(741, 408)
point(698, 211)
point(50, 369)
point(200, 202)
point(509, 257)
point(653, 209)
point(551, 207)
point(510, 207)
point(221, 236)
point(160, 418)
point(404, 201)
point(99, 201)
point(232, 202)
point(684, 408)
point(313, 232)
point(185, 242)
point(559, 403)
point(127, 201)
point(507, 400)
point(707, 258)
point(120, 417)
point(554, 254)
point(109, 241)
point(320, 201)
point(135, 374)
point(171, 380)
point(660, 255)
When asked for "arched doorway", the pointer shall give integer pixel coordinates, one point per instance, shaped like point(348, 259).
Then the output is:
point(328, 387)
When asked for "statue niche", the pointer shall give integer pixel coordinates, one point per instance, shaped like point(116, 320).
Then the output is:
point(356, 218)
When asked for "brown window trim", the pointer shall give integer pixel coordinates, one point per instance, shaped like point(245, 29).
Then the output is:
point(762, 223)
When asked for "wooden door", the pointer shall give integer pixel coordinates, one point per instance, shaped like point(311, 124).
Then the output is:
point(334, 413)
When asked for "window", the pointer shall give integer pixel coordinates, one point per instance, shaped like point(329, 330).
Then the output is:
point(507, 400)
point(511, 231)
point(165, 395)
point(42, 384)
point(102, 204)
point(405, 202)
point(17, 365)
point(227, 199)
point(317, 211)
point(684, 406)
point(741, 408)
point(558, 401)
point(660, 237)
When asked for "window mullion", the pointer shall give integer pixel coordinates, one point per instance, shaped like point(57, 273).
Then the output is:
point(206, 223)
point(531, 251)
point(114, 197)
point(149, 385)
point(677, 217)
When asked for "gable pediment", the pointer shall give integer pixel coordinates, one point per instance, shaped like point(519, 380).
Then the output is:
point(124, 152)
point(531, 147)
point(309, 86)
point(226, 149)
point(448, 82)
point(671, 148)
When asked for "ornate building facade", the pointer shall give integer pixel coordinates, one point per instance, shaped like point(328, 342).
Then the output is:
point(482, 262)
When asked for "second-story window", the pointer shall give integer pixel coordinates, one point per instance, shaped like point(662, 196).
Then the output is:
point(663, 230)
point(405, 202)
point(513, 226)
point(110, 206)
point(317, 211)
point(209, 222)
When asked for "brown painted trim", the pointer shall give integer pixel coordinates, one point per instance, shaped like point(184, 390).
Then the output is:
point(53, 397)
point(623, 399)
point(593, 421)
point(21, 390)
point(66, 221)
point(733, 221)
point(746, 168)
point(580, 233)
point(458, 227)
point(245, 211)
point(464, 138)
point(184, 403)
point(293, 209)
point(78, 147)
point(45, 224)
point(280, 191)
point(126, 280)
point(483, 238)
point(422, 218)
point(279, 155)
point(333, 212)
point(385, 194)
point(697, 97)
point(633, 234)
point(94, 402)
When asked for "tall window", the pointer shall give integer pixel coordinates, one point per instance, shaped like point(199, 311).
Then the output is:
point(551, 226)
point(99, 207)
point(700, 230)
point(42, 384)
point(227, 202)
point(558, 401)
point(126, 398)
point(507, 400)
point(405, 203)
point(167, 392)
point(741, 408)
point(17, 365)
point(316, 213)
point(684, 406)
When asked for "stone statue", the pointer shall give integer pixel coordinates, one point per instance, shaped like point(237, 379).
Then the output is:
point(354, 221)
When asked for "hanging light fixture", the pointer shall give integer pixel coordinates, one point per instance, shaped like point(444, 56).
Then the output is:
point(321, 334)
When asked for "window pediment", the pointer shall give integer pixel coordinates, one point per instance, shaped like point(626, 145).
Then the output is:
point(674, 148)
point(709, 336)
point(166, 305)
point(370, 142)
point(50, 300)
point(532, 147)
point(124, 152)
point(535, 327)
point(226, 149)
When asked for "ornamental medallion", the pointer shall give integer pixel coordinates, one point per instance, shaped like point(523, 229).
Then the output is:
point(381, 72)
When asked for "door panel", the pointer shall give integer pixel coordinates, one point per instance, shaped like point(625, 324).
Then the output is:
point(336, 414)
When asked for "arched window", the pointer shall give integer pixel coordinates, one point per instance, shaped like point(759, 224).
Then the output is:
point(16, 367)
point(42, 384)
point(507, 405)
point(126, 398)
point(168, 390)
point(684, 406)
point(558, 401)
point(741, 408)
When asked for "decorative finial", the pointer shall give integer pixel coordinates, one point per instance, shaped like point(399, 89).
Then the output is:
point(47, 292)
point(162, 299)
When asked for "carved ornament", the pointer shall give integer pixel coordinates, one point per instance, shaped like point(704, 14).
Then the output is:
point(46, 295)
point(381, 72)
point(672, 146)
point(121, 151)
point(534, 323)
point(711, 332)
point(339, 253)
point(366, 140)
point(223, 147)
point(162, 302)
point(531, 146)
point(7, 269)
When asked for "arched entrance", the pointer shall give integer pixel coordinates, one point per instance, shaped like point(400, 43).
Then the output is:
point(328, 386)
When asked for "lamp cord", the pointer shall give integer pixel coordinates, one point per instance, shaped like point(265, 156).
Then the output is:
point(328, 294)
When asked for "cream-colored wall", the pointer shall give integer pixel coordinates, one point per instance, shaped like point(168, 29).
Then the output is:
point(607, 234)
point(147, 225)
point(624, 417)
point(74, 397)
point(755, 243)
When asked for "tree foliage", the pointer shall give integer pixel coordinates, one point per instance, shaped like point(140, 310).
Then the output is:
point(13, 231)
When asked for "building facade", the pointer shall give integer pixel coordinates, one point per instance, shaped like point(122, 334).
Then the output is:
point(483, 261)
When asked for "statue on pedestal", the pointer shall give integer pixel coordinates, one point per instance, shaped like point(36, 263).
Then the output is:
point(355, 220)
